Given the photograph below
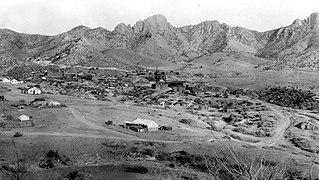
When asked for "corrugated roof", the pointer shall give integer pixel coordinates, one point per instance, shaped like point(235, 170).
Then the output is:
point(149, 123)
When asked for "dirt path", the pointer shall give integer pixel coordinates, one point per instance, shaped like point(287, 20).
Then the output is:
point(279, 131)
point(78, 115)
point(81, 135)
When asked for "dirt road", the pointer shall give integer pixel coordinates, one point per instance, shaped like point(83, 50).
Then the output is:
point(279, 131)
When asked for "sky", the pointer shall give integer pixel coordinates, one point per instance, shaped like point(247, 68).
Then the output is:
point(52, 17)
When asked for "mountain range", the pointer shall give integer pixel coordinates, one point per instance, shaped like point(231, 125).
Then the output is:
point(155, 42)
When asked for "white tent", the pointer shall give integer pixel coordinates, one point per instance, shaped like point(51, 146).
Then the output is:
point(149, 123)
point(24, 118)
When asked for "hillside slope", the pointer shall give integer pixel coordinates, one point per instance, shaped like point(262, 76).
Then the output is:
point(155, 42)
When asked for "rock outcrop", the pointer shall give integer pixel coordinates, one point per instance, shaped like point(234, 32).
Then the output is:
point(313, 20)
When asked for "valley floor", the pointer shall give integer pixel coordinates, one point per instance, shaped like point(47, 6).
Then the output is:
point(79, 132)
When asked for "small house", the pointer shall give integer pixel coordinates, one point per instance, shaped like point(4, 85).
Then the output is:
point(14, 81)
point(39, 102)
point(24, 118)
point(178, 86)
point(160, 86)
point(34, 90)
point(6, 80)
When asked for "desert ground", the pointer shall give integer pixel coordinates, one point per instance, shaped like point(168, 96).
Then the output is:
point(98, 151)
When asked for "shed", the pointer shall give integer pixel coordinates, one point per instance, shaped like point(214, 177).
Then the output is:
point(54, 103)
point(149, 123)
point(24, 118)
point(39, 102)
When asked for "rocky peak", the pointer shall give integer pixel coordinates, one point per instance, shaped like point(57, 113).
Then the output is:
point(77, 32)
point(154, 24)
point(158, 20)
point(123, 29)
point(313, 20)
point(297, 22)
point(201, 28)
point(80, 28)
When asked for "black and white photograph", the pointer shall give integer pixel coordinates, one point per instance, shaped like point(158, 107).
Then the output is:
point(159, 90)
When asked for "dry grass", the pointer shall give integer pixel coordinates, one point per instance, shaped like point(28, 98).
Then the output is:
point(19, 170)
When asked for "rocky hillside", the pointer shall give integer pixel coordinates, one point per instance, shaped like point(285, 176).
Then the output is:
point(155, 42)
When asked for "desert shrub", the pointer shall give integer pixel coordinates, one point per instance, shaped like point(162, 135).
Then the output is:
point(17, 134)
point(183, 158)
point(233, 118)
point(148, 152)
point(230, 165)
point(199, 74)
point(235, 136)
point(290, 97)
point(240, 130)
point(52, 158)
point(48, 163)
point(63, 105)
point(22, 102)
point(52, 154)
point(9, 117)
point(235, 166)
point(76, 175)
point(72, 175)
point(136, 152)
point(115, 145)
point(261, 132)
point(186, 121)
point(163, 156)
point(2, 124)
point(304, 144)
point(171, 165)
point(17, 171)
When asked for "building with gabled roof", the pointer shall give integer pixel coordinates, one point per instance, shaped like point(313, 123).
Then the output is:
point(149, 123)
point(14, 81)
point(142, 125)
point(24, 118)
point(6, 80)
point(34, 90)
point(38, 102)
